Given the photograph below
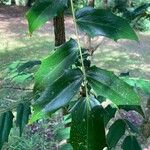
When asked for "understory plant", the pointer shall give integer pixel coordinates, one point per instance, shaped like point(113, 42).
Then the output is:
point(67, 79)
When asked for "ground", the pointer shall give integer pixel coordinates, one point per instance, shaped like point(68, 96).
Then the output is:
point(16, 44)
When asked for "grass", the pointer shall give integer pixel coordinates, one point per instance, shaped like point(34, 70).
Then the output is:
point(27, 48)
point(125, 56)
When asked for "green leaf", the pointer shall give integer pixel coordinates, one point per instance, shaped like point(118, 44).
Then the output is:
point(58, 94)
point(63, 134)
point(138, 83)
point(66, 147)
point(54, 66)
point(102, 22)
point(96, 125)
point(131, 143)
point(110, 112)
point(6, 123)
point(43, 11)
point(140, 11)
point(23, 112)
point(20, 78)
point(108, 85)
point(28, 65)
point(116, 131)
point(87, 127)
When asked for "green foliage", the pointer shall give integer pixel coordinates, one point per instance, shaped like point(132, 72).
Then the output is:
point(102, 22)
point(143, 24)
point(131, 143)
point(108, 85)
point(19, 72)
point(53, 66)
point(58, 94)
point(43, 11)
point(116, 131)
point(68, 74)
point(87, 122)
point(137, 12)
point(6, 120)
point(23, 112)
point(6, 123)
point(142, 84)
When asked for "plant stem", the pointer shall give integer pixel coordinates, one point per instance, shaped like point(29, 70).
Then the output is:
point(82, 68)
point(80, 50)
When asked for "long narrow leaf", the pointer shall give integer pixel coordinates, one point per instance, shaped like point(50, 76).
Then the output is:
point(116, 131)
point(87, 127)
point(58, 94)
point(54, 66)
point(131, 143)
point(23, 112)
point(6, 123)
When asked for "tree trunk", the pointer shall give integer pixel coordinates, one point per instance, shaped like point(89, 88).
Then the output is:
point(60, 37)
point(59, 30)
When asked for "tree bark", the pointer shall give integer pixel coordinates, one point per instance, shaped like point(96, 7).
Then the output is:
point(59, 30)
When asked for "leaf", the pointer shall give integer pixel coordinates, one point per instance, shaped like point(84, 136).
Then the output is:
point(54, 66)
point(110, 112)
point(23, 112)
point(87, 127)
point(58, 94)
point(6, 123)
point(43, 11)
point(131, 143)
point(140, 11)
point(108, 85)
point(66, 147)
point(22, 77)
point(96, 125)
point(63, 134)
point(102, 22)
point(138, 83)
point(28, 65)
point(116, 131)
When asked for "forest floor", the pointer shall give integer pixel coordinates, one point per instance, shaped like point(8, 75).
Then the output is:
point(16, 44)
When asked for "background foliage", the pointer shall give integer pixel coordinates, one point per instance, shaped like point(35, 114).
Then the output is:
point(97, 78)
